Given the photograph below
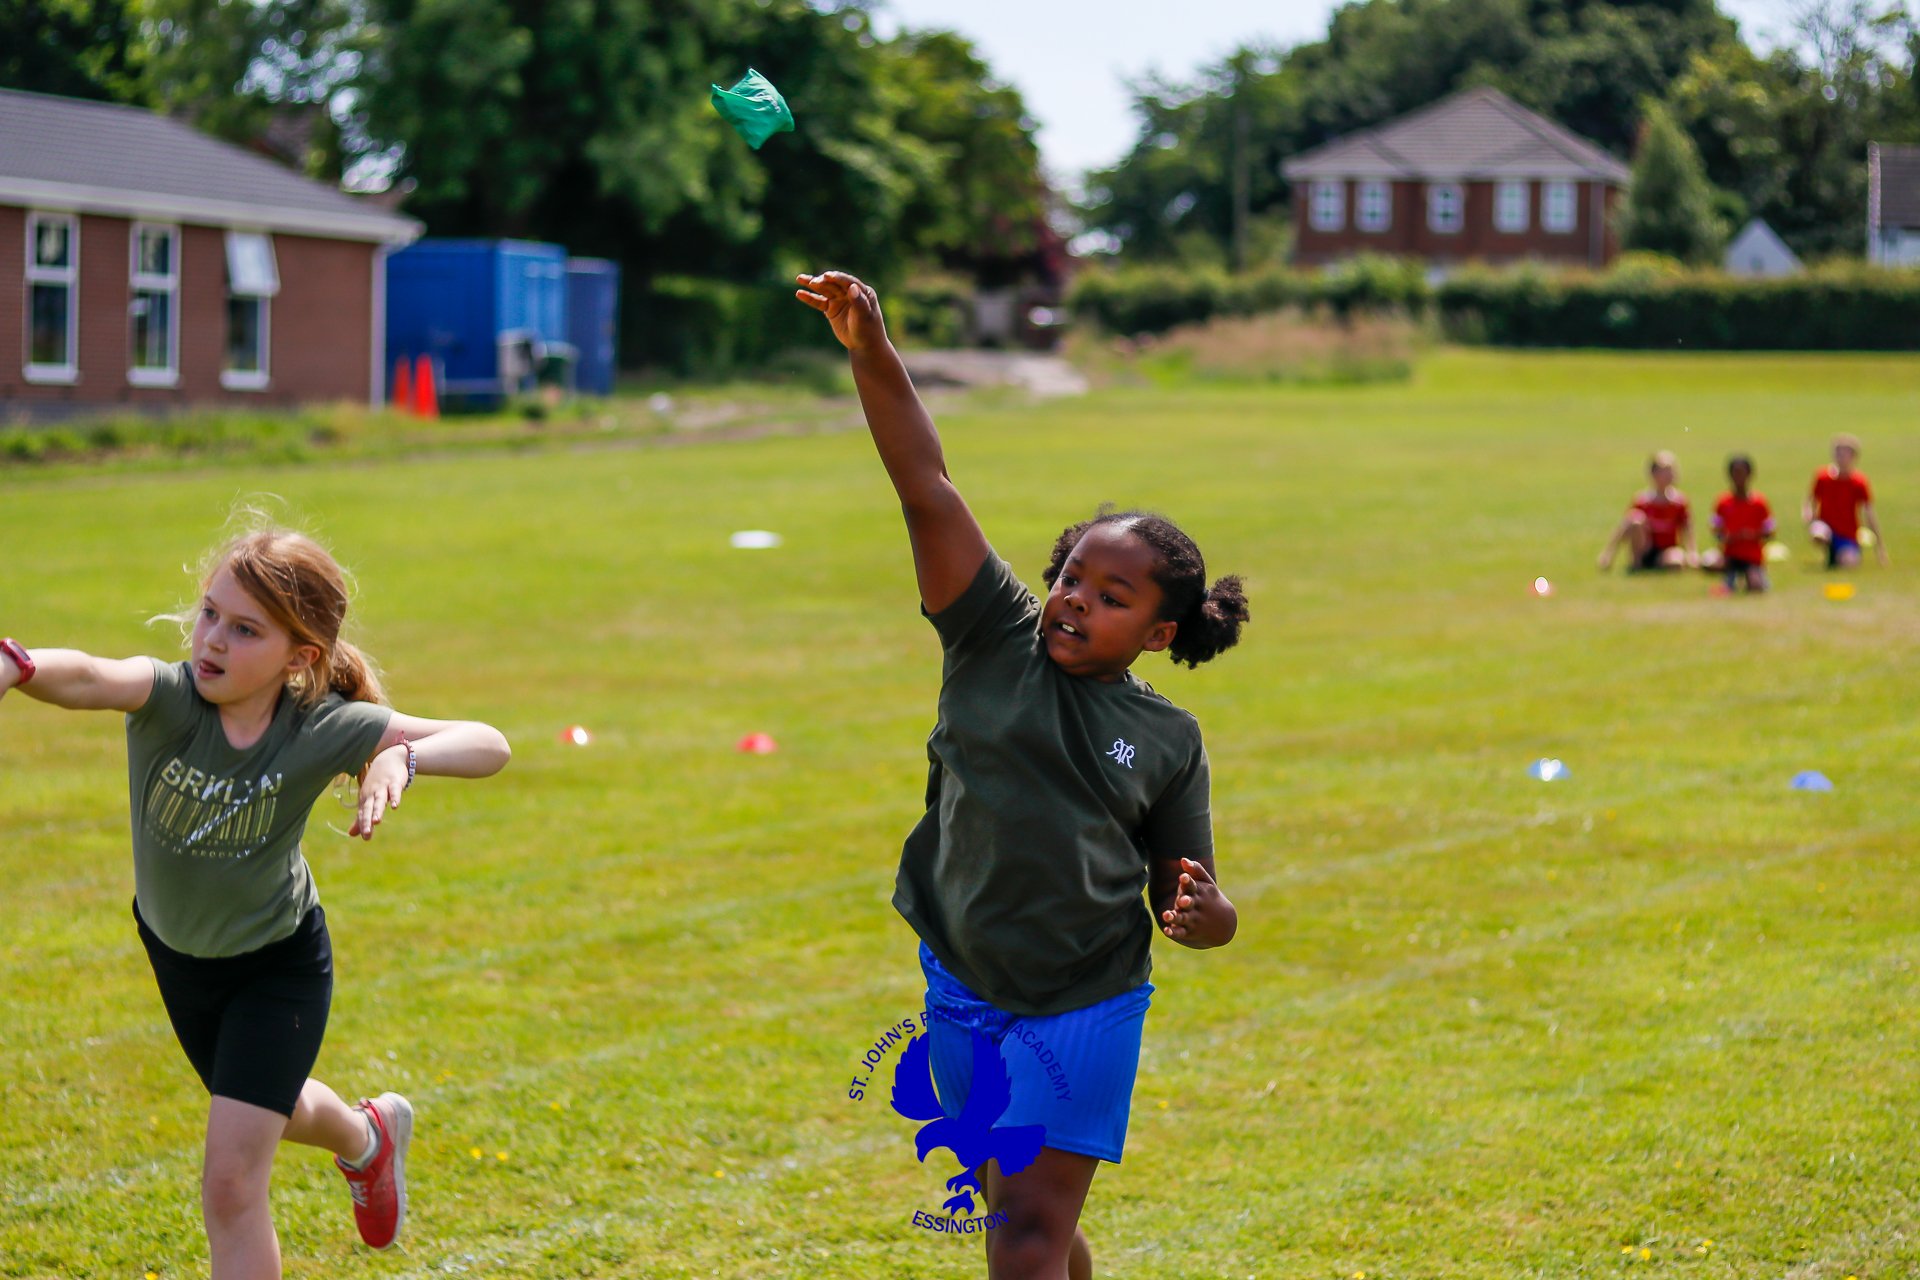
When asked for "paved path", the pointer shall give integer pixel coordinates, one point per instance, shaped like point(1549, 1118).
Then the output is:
point(1041, 375)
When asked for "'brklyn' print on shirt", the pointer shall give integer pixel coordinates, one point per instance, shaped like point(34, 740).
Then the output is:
point(190, 811)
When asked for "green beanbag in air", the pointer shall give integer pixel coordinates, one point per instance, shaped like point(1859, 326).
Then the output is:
point(754, 108)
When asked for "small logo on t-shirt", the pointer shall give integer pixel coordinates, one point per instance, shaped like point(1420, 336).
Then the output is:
point(1122, 752)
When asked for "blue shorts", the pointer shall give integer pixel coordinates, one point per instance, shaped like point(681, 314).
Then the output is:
point(1071, 1072)
point(1839, 545)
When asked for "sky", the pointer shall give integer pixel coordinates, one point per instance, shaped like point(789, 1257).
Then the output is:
point(1071, 59)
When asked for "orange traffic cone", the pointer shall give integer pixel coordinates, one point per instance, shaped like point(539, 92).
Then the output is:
point(426, 398)
point(402, 398)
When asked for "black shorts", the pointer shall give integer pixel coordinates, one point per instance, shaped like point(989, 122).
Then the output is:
point(251, 1024)
point(1653, 560)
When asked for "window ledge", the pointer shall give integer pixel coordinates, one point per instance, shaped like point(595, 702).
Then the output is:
point(233, 381)
point(153, 377)
point(51, 375)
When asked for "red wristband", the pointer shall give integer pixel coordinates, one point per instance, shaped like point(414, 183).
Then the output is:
point(12, 649)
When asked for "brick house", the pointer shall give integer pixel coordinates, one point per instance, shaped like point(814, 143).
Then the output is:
point(1475, 176)
point(156, 267)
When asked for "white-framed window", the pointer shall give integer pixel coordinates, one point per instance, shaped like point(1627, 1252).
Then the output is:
point(1510, 212)
point(253, 278)
point(1557, 212)
point(1328, 201)
point(153, 306)
point(1444, 211)
point(53, 297)
point(1375, 206)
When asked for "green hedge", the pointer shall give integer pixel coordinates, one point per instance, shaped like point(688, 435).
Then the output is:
point(1833, 309)
point(1156, 299)
point(1639, 305)
point(699, 328)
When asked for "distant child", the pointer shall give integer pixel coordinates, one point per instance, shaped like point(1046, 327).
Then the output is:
point(1657, 525)
point(1838, 505)
point(227, 753)
point(1743, 523)
point(1062, 788)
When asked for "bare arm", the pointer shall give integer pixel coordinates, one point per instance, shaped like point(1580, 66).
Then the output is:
point(441, 748)
point(948, 545)
point(81, 682)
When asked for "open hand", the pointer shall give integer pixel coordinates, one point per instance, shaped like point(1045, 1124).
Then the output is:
point(850, 306)
point(1201, 916)
point(380, 789)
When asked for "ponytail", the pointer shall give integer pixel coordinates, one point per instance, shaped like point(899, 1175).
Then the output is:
point(353, 675)
point(1212, 625)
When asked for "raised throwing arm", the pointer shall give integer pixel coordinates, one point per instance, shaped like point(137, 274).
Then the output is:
point(948, 545)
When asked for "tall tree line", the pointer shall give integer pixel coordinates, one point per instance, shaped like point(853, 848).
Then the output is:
point(1781, 136)
point(586, 122)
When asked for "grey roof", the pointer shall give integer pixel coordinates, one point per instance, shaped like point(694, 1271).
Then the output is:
point(97, 157)
point(1476, 133)
point(1759, 251)
point(1893, 186)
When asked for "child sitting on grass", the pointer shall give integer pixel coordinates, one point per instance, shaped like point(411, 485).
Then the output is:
point(1657, 526)
point(1839, 503)
point(1743, 523)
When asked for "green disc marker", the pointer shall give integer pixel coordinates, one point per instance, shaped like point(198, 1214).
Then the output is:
point(754, 108)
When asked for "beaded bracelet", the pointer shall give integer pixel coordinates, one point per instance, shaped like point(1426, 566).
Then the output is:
point(413, 763)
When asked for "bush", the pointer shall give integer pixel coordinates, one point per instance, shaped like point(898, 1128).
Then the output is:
point(1286, 346)
point(1156, 299)
point(1647, 305)
point(1646, 301)
point(697, 328)
point(933, 311)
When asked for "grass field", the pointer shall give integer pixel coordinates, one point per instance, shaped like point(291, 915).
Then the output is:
point(1474, 1025)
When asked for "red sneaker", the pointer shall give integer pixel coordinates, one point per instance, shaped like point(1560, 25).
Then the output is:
point(380, 1189)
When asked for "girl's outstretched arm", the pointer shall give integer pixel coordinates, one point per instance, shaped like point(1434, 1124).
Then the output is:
point(443, 748)
point(81, 682)
point(948, 546)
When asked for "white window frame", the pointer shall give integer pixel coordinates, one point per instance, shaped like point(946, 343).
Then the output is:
point(1511, 199)
point(261, 293)
point(1327, 205)
point(56, 374)
point(1459, 219)
point(1372, 216)
point(169, 284)
point(1556, 217)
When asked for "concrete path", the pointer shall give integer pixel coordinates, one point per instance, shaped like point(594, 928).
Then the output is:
point(1042, 376)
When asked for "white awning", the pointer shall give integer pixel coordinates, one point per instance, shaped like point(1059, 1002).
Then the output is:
point(251, 271)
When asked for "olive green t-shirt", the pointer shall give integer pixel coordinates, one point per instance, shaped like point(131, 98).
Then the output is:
point(217, 867)
point(1046, 796)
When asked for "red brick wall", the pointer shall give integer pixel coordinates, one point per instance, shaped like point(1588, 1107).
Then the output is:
point(320, 326)
point(1477, 240)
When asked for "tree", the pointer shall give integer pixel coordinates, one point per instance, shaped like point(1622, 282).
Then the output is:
point(268, 73)
point(1670, 208)
point(77, 48)
point(588, 124)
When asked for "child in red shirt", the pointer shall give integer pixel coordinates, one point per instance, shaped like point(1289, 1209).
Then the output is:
point(1743, 523)
point(1839, 503)
point(1657, 525)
